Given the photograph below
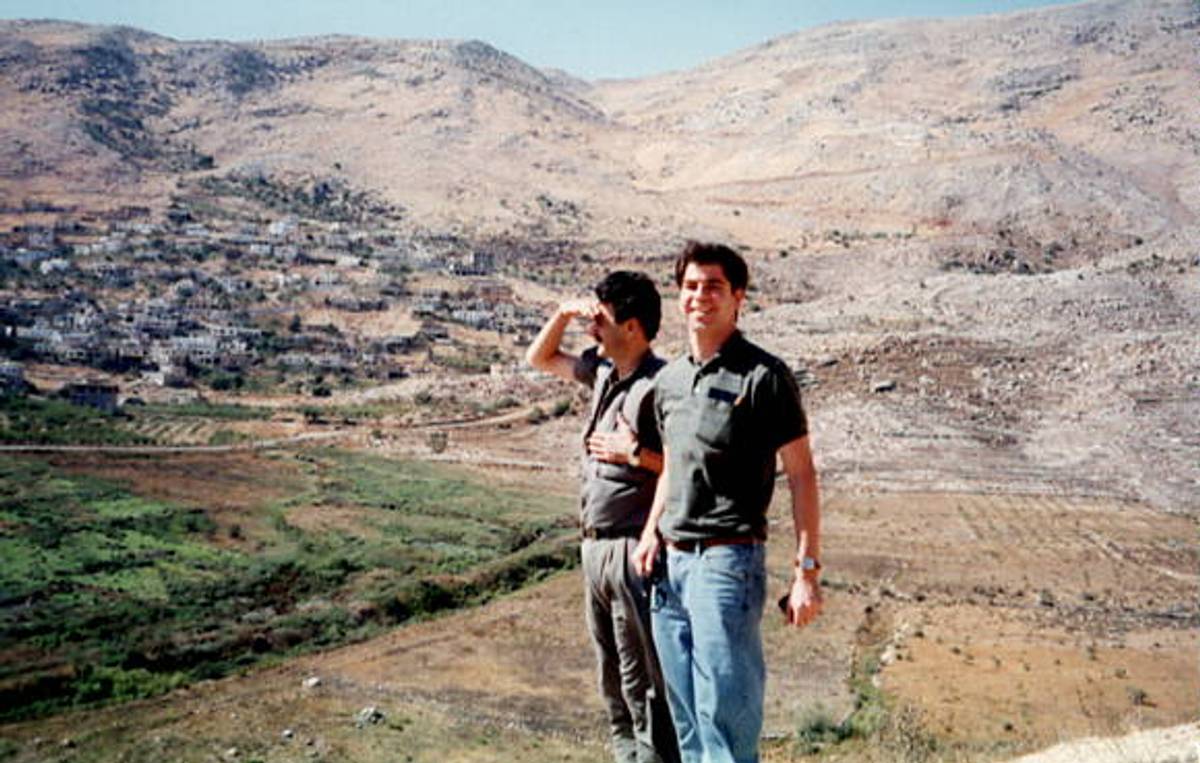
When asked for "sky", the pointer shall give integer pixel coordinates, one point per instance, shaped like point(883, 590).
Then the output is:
point(592, 39)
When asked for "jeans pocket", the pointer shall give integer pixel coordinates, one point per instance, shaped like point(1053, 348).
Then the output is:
point(737, 574)
point(658, 597)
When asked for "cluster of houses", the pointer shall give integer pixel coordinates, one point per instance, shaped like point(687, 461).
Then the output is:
point(485, 304)
point(12, 377)
point(210, 289)
point(157, 335)
point(94, 393)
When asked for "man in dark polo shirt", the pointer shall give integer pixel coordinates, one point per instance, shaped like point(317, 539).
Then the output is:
point(622, 456)
point(725, 411)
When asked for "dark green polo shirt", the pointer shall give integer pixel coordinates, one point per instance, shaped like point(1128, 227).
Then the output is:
point(617, 497)
point(722, 422)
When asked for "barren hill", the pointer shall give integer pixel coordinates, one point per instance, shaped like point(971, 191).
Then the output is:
point(1074, 125)
point(448, 129)
point(995, 216)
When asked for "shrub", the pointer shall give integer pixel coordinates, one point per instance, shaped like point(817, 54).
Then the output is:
point(98, 683)
point(227, 437)
point(818, 729)
point(438, 441)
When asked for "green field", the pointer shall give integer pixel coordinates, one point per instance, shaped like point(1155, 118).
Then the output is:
point(106, 594)
point(30, 420)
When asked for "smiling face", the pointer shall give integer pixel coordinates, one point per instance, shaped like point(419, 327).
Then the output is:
point(709, 303)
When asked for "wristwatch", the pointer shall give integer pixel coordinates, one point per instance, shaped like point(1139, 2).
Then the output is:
point(808, 564)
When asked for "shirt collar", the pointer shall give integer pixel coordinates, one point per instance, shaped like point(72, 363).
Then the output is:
point(645, 367)
point(729, 349)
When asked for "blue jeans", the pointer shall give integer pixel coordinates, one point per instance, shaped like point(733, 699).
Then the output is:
point(705, 612)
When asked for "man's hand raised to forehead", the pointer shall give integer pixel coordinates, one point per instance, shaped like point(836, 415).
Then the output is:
point(583, 309)
point(545, 353)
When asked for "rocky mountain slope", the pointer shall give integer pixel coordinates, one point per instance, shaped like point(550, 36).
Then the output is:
point(978, 236)
point(1072, 126)
point(445, 127)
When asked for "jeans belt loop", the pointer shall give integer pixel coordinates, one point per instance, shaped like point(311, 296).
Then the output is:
point(689, 546)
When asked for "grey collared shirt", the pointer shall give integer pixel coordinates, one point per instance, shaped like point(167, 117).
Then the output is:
point(722, 422)
point(617, 497)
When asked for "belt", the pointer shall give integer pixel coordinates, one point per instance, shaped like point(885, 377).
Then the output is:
point(703, 543)
point(609, 533)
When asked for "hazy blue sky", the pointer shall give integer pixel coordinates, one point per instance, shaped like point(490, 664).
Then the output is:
point(588, 38)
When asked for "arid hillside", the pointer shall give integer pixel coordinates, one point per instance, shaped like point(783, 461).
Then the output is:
point(995, 216)
point(1073, 125)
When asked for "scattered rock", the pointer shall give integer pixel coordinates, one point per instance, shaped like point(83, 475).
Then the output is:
point(288, 735)
point(804, 377)
point(312, 682)
point(369, 716)
point(885, 385)
point(1177, 743)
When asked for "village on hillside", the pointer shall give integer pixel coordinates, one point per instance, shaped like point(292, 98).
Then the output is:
point(175, 306)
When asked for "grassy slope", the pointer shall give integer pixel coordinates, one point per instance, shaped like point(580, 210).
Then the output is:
point(57, 422)
point(107, 594)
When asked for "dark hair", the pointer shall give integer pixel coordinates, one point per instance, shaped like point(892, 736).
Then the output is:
point(632, 295)
point(730, 261)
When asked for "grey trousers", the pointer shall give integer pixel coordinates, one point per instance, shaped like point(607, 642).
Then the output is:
point(617, 605)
